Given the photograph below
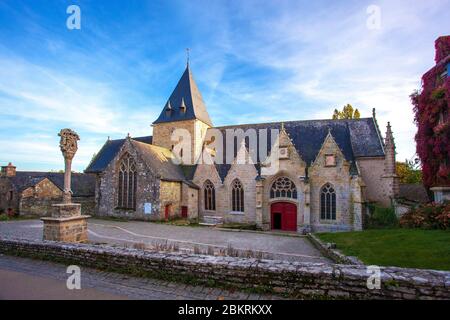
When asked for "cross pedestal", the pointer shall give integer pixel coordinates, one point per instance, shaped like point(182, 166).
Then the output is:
point(66, 224)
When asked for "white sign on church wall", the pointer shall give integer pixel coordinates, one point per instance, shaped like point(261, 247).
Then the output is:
point(147, 208)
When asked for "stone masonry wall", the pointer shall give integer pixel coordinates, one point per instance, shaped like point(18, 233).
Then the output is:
point(246, 173)
point(293, 168)
point(190, 199)
point(147, 189)
point(295, 279)
point(170, 195)
point(339, 177)
point(162, 134)
point(9, 198)
point(377, 188)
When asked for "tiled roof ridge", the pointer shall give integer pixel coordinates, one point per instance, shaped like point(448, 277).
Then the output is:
point(289, 122)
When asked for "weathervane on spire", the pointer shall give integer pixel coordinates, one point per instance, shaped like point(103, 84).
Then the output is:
point(187, 56)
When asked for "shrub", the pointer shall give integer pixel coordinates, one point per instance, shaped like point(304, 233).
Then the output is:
point(429, 216)
point(381, 217)
point(3, 217)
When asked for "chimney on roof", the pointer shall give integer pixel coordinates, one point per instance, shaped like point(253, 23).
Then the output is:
point(8, 171)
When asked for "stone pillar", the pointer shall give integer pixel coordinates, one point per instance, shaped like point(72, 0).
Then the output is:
point(390, 172)
point(306, 206)
point(356, 185)
point(66, 223)
point(259, 202)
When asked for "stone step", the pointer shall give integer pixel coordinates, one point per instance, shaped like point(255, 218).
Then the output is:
point(211, 220)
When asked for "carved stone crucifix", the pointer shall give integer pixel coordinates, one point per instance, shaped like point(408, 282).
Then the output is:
point(68, 146)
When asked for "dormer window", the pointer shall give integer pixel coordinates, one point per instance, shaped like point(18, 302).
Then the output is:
point(168, 108)
point(330, 160)
point(182, 106)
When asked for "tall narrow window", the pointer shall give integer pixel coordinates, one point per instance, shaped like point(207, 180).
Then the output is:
point(283, 188)
point(127, 183)
point(210, 196)
point(327, 203)
point(237, 196)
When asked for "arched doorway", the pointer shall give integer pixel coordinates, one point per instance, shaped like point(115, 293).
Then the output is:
point(283, 216)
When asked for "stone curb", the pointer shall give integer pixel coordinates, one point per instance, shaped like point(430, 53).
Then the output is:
point(262, 232)
point(333, 254)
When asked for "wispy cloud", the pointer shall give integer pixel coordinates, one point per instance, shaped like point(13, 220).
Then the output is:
point(254, 62)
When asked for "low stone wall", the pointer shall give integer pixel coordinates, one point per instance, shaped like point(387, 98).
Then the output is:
point(294, 279)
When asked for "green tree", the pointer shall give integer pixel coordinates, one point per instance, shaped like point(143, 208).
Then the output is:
point(347, 113)
point(408, 172)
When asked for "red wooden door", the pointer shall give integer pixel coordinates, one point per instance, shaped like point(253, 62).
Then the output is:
point(184, 212)
point(285, 211)
point(167, 211)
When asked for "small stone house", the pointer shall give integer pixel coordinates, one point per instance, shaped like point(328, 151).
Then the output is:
point(327, 170)
point(34, 193)
point(410, 196)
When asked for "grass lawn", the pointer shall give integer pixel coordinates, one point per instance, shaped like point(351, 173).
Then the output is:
point(413, 248)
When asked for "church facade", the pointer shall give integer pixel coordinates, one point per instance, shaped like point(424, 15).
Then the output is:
point(326, 170)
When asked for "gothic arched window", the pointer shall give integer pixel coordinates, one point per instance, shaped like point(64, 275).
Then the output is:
point(283, 188)
point(126, 197)
point(327, 203)
point(210, 196)
point(237, 196)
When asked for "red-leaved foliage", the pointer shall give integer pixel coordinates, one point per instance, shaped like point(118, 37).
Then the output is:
point(428, 216)
point(432, 117)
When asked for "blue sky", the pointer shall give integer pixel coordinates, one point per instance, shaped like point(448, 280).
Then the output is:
point(254, 61)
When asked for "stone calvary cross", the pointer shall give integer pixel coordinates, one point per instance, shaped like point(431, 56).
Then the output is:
point(66, 223)
point(68, 145)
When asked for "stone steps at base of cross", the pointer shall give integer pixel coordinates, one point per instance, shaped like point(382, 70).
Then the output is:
point(211, 221)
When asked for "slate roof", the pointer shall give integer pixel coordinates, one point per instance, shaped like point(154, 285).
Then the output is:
point(356, 138)
point(83, 185)
point(160, 160)
point(185, 94)
point(109, 151)
point(413, 192)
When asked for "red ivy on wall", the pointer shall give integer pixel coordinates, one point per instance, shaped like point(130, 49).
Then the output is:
point(432, 117)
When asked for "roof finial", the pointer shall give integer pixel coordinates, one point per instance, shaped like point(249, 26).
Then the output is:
point(187, 57)
point(282, 126)
point(373, 113)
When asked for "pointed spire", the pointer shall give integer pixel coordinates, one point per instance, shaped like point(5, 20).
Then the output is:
point(186, 92)
point(389, 151)
point(389, 136)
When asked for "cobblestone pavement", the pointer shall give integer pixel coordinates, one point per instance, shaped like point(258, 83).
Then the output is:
point(186, 238)
point(22, 278)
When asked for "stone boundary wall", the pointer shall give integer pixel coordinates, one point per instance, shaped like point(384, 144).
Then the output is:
point(328, 251)
point(293, 279)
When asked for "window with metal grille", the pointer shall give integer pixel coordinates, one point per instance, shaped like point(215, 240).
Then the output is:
point(283, 188)
point(327, 203)
point(210, 195)
point(237, 196)
point(126, 198)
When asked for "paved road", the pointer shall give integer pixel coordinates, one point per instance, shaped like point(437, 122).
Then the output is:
point(186, 238)
point(22, 278)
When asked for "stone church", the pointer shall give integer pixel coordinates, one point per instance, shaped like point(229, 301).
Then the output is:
point(327, 170)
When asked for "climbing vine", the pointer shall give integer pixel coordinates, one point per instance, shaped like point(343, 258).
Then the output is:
point(432, 117)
